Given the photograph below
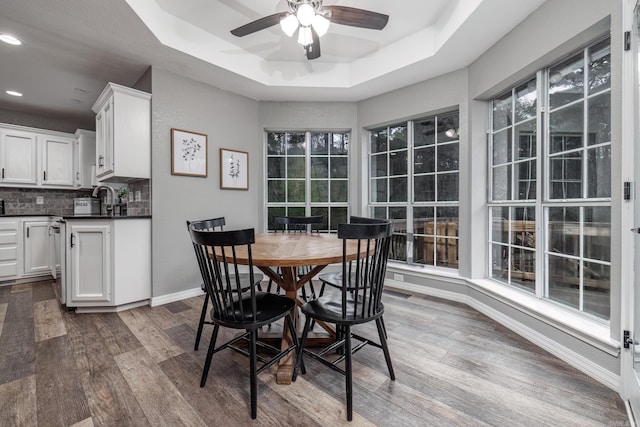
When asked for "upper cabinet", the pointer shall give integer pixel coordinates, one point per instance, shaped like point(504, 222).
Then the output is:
point(123, 134)
point(18, 157)
point(42, 158)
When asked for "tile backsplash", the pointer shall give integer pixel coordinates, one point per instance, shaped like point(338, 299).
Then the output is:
point(23, 201)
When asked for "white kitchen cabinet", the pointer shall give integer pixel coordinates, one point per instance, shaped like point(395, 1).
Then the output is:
point(18, 157)
point(108, 263)
point(84, 159)
point(123, 134)
point(9, 249)
point(37, 257)
point(57, 160)
point(89, 257)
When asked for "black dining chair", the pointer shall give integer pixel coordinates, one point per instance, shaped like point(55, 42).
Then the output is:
point(358, 302)
point(299, 224)
point(237, 307)
point(215, 224)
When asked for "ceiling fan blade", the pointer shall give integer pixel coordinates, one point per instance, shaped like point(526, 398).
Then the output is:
point(357, 17)
point(313, 50)
point(259, 24)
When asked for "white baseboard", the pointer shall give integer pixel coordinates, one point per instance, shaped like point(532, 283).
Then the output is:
point(177, 296)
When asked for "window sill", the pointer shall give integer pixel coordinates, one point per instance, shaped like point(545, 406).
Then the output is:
point(592, 331)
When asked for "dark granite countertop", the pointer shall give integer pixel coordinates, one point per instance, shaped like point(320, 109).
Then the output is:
point(76, 216)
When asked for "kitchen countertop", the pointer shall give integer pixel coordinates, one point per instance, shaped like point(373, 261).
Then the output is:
point(77, 216)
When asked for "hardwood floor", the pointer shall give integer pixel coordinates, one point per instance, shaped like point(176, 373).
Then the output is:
point(453, 366)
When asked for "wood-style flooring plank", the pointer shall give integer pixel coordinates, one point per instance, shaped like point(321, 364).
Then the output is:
point(110, 399)
point(47, 320)
point(61, 397)
point(177, 306)
point(22, 287)
point(18, 406)
point(5, 290)
point(17, 342)
point(43, 291)
point(84, 423)
point(3, 313)
point(160, 400)
point(152, 337)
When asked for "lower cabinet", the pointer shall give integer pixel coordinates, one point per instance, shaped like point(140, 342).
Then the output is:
point(108, 262)
point(37, 259)
point(9, 249)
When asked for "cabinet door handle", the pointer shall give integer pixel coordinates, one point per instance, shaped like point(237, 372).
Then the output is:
point(2, 173)
point(44, 175)
point(27, 232)
point(100, 161)
point(71, 242)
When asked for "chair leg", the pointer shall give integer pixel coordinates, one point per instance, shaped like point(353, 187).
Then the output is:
point(253, 369)
point(348, 371)
point(207, 363)
point(303, 341)
point(296, 342)
point(385, 349)
point(202, 317)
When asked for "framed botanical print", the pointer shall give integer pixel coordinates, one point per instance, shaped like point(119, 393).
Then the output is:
point(188, 153)
point(234, 169)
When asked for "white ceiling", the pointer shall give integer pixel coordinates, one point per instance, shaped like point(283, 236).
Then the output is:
point(73, 48)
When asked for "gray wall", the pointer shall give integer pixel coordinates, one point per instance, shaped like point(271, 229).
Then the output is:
point(230, 121)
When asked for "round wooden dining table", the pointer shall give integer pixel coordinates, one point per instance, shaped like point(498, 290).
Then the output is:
point(278, 256)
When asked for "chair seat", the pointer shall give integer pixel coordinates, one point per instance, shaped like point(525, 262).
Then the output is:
point(335, 280)
point(244, 279)
point(329, 309)
point(269, 308)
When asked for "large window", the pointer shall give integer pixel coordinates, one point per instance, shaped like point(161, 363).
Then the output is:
point(308, 174)
point(414, 175)
point(550, 183)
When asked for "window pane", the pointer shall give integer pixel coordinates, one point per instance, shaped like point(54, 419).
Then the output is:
point(448, 157)
point(566, 128)
point(564, 281)
point(564, 231)
point(600, 66)
point(380, 212)
point(319, 167)
point(296, 191)
point(275, 167)
point(296, 211)
point(424, 160)
point(526, 101)
point(502, 111)
point(423, 220)
point(599, 119)
point(523, 268)
point(340, 144)
point(339, 167)
point(597, 289)
point(275, 191)
point(296, 143)
point(319, 191)
point(525, 173)
point(424, 188)
point(338, 216)
point(502, 147)
point(597, 233)
point(566, 176)
point(324, 212)
point(398, 137)
point(398, 249)
point(500, 225)
point(295, 167)
point(501, 183)
point(424, 132)
point(447, 187)
point(448, 127)
point(446, 252)
point(398, 189)
point(424, 250)
point(599, 172)
point(499, 263)
point(339, 191)
point(379, 140)
point(526, 140)
point(319, 143)
point(272, 212)
point(523, 228)
point(398, 163)
point(379, 190)
point(379, 165)
point(566, 82)
point(275, 143)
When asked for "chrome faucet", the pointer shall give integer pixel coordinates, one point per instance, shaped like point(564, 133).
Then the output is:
point(109, 207)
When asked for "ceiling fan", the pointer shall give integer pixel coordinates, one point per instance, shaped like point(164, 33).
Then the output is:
point(311, 19)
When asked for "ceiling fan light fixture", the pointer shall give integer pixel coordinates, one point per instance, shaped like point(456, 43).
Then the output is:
point(305, 14)
point(289, 25)
point(320, 24)
point(304, 36)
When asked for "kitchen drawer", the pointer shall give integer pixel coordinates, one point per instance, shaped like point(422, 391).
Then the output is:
point(7, 237)
point(9, 253)
point(8, 269)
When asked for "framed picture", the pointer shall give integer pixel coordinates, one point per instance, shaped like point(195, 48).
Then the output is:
point(234, 169)
point(188, 153)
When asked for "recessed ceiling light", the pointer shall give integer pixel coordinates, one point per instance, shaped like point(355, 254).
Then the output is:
point(13, 93)
point(9, 39)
